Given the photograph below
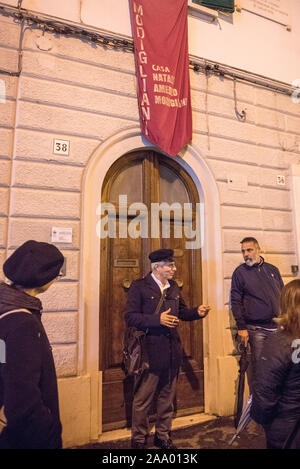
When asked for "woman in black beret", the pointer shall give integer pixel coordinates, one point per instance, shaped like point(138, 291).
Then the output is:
point(29, 411)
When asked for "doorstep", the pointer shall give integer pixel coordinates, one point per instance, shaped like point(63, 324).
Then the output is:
point(178, 422)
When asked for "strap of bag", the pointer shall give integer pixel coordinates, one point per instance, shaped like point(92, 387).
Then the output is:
point(163, 295)
point(15, 311)
point(139, 333)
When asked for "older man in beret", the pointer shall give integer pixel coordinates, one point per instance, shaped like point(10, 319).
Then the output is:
point(29, 411)
point(155, 306)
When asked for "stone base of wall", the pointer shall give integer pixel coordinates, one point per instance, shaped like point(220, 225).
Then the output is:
point(228, 376)
point(75, 409)
point(222, 380)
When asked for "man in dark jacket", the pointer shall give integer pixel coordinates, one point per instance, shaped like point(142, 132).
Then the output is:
point(255, 295)
point(162, 344)
point(28, 384)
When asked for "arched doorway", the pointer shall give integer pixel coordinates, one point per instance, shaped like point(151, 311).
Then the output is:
point(143, 179)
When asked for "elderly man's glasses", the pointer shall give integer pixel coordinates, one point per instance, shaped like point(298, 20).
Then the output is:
point(172, 265)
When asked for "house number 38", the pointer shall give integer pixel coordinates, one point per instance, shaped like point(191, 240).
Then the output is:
point(61, 147)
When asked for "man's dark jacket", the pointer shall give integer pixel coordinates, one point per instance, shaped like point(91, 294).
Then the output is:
point(255, 294)
point(28, 384)
point(162, 343)
point(276, 397)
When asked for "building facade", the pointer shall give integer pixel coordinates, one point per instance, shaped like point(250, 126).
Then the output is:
point(70, 138)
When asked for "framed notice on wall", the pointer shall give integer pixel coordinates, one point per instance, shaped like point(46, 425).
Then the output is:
point(275, 10)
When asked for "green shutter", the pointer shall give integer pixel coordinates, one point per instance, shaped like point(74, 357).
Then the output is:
point(223, 5)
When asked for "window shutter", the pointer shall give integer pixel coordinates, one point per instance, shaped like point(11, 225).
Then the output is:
point(222, 5)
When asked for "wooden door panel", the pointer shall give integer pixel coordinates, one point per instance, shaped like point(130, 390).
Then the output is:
point(183, 276)
point(125, 262)
point(189, 394)
point(125, 265)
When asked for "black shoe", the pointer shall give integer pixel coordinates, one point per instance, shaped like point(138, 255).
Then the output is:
point(164, 444)
point(137, 445)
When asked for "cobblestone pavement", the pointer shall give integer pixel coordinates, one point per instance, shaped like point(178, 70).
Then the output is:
point(214, 434)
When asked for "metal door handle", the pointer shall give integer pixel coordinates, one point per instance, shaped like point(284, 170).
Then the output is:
point(179, 283)
point(126, 283)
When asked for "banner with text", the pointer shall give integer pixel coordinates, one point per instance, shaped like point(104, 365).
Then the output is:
point(162, 64)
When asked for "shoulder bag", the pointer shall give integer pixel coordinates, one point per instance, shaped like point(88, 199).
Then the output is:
point(135, 359)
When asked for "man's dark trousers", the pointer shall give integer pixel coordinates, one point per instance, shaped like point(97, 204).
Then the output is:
point(165, 386)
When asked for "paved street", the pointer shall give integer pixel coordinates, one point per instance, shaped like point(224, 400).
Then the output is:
point(213, 434)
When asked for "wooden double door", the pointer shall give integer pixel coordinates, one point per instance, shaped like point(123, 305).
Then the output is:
point(133, 189)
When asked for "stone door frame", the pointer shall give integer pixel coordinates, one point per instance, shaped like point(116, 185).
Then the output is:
point(192, 160)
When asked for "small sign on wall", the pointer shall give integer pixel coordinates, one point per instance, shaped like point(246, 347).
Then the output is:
point(280, 180)
point(61, 235)
point(2, 92)
point(276, 10)
point(61, 147)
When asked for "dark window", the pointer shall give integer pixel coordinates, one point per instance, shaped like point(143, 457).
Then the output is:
point(222, 5)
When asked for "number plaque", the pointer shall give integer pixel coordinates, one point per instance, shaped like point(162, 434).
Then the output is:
point(61, 147)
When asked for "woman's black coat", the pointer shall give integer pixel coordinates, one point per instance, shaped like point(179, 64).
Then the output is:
point(276, 397)
point(28, 384)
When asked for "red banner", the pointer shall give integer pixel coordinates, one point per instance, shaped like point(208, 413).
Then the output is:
point(162, 64)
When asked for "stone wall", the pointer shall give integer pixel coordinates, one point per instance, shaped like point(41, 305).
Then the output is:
point(73, 90)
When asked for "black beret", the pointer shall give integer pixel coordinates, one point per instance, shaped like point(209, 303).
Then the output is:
point(162, 255)
point(33, 264)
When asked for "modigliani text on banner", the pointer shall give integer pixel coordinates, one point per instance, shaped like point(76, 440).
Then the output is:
point(162, 65)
